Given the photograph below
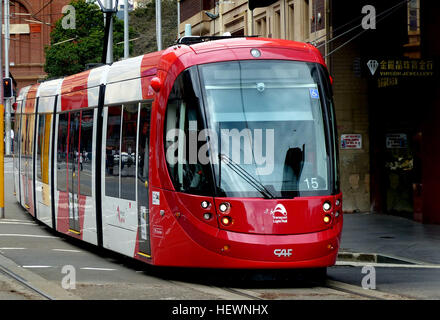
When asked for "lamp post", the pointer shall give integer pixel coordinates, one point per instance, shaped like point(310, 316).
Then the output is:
point(159, 25)
point(110, 8)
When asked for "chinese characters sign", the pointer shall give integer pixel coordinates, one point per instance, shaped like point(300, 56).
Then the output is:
point(389, 71)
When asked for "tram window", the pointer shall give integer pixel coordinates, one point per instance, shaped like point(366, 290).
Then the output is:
point(17, 138)
point(46, 149)
point(184, 125)
point(143, 158)
point(62, 152)
point(23, 140)
point(86, 153)
point(40, 138)
point(112, 156)
point(128, 152)
point(73, 155)
point(30, 137)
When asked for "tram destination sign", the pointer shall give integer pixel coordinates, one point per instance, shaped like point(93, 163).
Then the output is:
point(389, 71)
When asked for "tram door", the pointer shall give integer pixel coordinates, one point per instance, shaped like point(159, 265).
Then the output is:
point(74, 167)
point(142, 178)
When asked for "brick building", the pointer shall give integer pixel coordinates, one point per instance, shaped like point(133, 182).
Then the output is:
point(391, 168)
point(31, 22)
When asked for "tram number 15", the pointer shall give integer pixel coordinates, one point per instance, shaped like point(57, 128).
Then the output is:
point(312, 183)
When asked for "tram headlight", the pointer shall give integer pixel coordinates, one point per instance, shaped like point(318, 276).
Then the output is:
point(327, 219)
point(205, 204)
point(224, 207)
point(337, 214)
point(326, 206)
point(338, 202)
point(226, 221)
point(207, 216)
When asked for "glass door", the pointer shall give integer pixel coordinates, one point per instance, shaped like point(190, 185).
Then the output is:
point(74, 167)
point(142, 179)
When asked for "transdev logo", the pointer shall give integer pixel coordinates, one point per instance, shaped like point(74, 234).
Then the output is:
point(279, 214)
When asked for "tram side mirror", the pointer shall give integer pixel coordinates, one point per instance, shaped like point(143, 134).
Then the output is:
point(156, 84)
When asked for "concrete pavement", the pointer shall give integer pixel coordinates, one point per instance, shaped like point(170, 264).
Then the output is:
point(391, 235)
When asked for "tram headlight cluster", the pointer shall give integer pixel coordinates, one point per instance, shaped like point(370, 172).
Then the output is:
point(205, 204)
point(326, 206)
point(226, 221)
point(327, 218)
point(224, 207)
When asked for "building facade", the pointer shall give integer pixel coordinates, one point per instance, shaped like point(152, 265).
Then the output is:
point(385, 133)
point(31, 22)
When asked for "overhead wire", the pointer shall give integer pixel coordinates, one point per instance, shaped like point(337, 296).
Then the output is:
point(355, 27)
point(362, 32)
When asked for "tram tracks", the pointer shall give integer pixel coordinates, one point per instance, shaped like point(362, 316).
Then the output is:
point(330, 289)
point(24, 283)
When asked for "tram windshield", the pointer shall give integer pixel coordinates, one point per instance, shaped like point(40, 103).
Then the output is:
point(267, 134)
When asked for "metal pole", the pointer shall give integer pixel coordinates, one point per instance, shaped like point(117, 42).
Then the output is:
point(158, 25)
point(8, 100)
point(178, 19)
point(109, 60)
point(2, 159)
point(126, 46)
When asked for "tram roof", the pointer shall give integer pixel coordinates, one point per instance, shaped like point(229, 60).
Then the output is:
point(124, 75)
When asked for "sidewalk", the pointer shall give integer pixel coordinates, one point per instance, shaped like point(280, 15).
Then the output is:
point(391, 235)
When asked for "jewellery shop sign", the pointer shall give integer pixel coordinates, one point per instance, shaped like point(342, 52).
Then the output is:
point(389, 72)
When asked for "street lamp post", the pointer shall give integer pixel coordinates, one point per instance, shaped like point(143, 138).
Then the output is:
point(108, 9)
point(159, 25)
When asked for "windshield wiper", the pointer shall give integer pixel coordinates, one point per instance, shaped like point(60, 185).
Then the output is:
point(246, 176)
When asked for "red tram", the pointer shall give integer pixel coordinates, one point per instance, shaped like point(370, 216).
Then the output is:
point(218, 154)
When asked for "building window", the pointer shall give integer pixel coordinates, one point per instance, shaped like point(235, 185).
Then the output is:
point(306, 22)
point(277, 24)
point(290, 21)
point(261, 26)
point(413, 16)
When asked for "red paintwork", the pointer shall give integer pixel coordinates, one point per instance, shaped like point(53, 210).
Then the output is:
point(30, 99)
point(74, 93)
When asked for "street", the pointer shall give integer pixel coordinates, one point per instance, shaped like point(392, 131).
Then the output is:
point(35, 262)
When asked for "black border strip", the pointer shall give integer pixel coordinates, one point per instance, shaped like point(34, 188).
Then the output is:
point(98, 158)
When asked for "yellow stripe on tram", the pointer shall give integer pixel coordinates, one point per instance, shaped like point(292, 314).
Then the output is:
point(74, 231)
point(144, 255)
